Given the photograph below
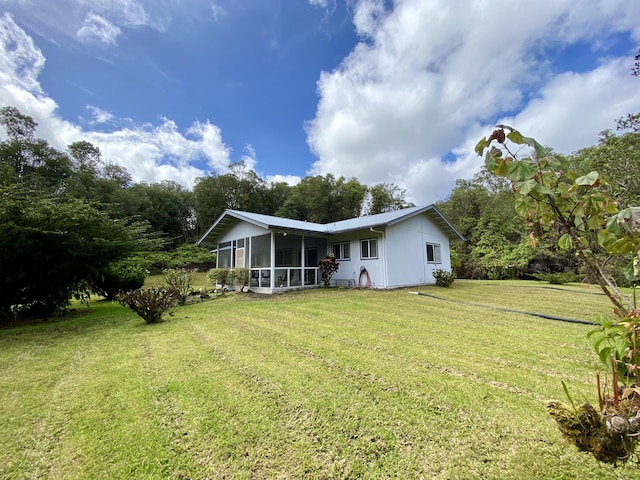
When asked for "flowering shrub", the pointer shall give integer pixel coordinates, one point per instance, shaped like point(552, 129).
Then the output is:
point(328, 266)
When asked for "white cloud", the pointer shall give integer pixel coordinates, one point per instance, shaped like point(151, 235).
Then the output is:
point(218, 11)
point(100, 115)
point(319, 3)
point(248, 158)
point(20, 65)
point(572, 109)
point(429, 77)
point(98, 29)
point(151, 153)
point(97, 21)
point(288, 179)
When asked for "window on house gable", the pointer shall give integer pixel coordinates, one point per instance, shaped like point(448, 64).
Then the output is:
point(433, 253)
point(341, 251)
point(369, 248)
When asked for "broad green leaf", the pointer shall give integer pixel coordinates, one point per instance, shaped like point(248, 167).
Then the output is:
point(522, 170)
point(594, 222)
point(611, 207)
point(504, 167)
point(613, 227)
point(623, 245)
point(480, 146)
point(539, 149)
point(493, 159)
point(564, 242)
point(550, 162)
point(544, 190)
point(589, 179)
point(497, 165)
point(600, 340)
point(525, 187)
point(564, 190)
point(605, 355)
point(523, 206)
point(516, 137)
point(631, 274)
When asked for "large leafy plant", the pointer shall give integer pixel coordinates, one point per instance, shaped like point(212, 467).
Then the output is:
point(551, 194)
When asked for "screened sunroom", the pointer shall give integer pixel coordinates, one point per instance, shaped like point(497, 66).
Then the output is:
point(278, 257)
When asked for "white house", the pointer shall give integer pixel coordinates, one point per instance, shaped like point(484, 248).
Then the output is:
point(388, 250)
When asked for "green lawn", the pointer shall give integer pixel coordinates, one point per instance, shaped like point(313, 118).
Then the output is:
point(326, 383)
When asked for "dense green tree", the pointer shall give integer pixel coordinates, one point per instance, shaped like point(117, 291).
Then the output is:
point(615, 157)
point(276, 195)
point(166, 206)
point(29, 161)
point(324, 199)
point(384, 197)
point(240, 189)
point(496, 240)
point(87, 164)
point(317, 198)
point(51, 243)
point(51, 247)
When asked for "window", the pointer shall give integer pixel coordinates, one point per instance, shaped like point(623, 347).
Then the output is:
point(284, 257)
point(433, 253)
point(369, 248)
point(341, 251)
point(311, 257)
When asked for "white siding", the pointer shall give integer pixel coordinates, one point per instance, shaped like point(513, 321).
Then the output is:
point(350, 269)
point(241, 230)
point(406, 251)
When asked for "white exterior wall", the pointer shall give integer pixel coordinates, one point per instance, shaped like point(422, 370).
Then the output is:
point(241, 230)
point(350, 269)
point(407, 253)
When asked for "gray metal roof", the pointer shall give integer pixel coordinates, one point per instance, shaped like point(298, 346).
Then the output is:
point(230, 217)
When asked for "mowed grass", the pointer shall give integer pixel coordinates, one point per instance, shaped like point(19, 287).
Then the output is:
point(325, 383)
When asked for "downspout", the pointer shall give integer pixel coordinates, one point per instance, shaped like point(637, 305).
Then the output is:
point(384, 258)
point(272, 262)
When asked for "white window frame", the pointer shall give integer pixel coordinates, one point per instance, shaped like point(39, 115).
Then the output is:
point(341, 246)
point(436, 253)
point(369, 242)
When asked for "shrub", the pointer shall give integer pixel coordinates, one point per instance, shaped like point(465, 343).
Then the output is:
point(241, 276)
point(328, 266)
point(218, 276)
point(179, 279)
point(188, 256)
point(119, 277)
point(444, 278)
point(150, 303)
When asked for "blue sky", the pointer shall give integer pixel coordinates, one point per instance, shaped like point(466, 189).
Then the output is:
point(382, 91)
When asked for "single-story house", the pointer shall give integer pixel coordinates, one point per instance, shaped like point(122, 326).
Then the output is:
point(387, 250)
